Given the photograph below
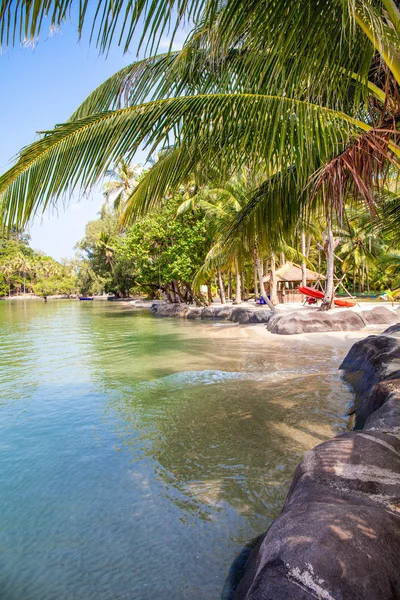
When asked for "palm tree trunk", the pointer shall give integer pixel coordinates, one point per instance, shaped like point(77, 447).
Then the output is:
point(221, 287)
point(230, 285)
point(282, 259)
point(329, 245)
point(367, 277)
point(303, 261)
point(363, 278)
point(273, 281)
point(243, 284)
point(259, 270)
point(238, 295)
point(255, 282)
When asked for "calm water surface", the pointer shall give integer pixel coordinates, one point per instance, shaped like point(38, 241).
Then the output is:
point(139, 455)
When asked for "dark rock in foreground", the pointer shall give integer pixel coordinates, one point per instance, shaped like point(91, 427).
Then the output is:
point(338, 536)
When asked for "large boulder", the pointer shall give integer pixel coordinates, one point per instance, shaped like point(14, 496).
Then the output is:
point(338, 536)
point(315, 321)
point(374, 359)
point(241, 315)
point(169, 310)
point(260, 316)
point(194, 312)
point(223, 312)
point(380, 315)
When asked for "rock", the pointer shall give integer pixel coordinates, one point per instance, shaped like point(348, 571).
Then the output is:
point(376, 358)
point(194, 313)
point(260, 316)
point(381, 315)
point(217, 312)
point(315, 321)
point(241, 315)
point(338, 536)
point(394, 330)
point(169, 310)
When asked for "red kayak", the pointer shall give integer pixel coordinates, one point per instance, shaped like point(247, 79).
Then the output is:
point(318, 295)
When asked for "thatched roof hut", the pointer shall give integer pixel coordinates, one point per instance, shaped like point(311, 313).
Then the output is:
point(291, 273)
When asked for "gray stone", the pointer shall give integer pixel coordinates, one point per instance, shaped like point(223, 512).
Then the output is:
point(217, 312)
point(260, 316)
point(380, 315)
point(338, 536)
point(194, 313)
point(241, 315)
point(169, 310)
point(315, 321)
point(394, 330)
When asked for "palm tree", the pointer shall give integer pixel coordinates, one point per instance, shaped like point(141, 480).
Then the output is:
point(24, 266)
point(314, 94)
point(122, 184)
point(221, 204)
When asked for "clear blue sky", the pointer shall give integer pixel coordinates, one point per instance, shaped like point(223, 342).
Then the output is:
point(40, 88)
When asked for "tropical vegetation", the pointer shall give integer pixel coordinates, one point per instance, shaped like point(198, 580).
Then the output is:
point(304, 95)
point(27, 271)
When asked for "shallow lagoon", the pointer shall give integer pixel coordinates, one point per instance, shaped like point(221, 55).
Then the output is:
point(140, 455)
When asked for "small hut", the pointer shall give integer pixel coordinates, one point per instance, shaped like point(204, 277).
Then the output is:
point(288, 278)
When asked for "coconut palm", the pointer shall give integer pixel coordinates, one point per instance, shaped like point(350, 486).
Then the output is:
point(23, 264)
point(121, 185)
point(221, 204)
point(314, 94)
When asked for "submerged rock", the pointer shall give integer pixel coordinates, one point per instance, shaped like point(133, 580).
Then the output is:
point(338, 536)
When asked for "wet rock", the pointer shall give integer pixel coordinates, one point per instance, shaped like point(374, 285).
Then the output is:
point(260, 316)
point(338, 536)
point(194, 313)
point(315, 321)
point(241, 315)
point(394, 330)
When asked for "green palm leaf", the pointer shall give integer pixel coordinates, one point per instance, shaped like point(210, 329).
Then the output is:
point(229, 129)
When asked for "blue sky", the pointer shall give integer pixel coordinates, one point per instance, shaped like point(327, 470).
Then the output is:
point(42, 87)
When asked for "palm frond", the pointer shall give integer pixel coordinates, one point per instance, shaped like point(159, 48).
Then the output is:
point(106, 20)
point(229, 129)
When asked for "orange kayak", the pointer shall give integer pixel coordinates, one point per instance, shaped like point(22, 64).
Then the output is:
point(318, 295)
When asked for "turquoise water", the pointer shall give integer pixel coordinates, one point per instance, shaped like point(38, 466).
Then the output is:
point(139, 455)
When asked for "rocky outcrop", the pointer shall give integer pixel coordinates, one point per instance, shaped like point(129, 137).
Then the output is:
point(315, 322)
point(338, 536)
point(312, 321)
point(169, 310)
point(239, 314)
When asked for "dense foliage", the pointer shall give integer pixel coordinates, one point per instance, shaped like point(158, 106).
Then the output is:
point(305, 96)
point(158, 255)
point(24, 270)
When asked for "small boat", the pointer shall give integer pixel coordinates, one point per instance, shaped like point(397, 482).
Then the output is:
point(346, 303)
point(318, 295)
point(85, 298)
